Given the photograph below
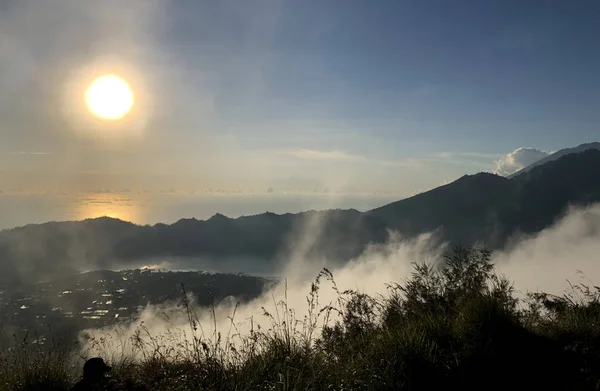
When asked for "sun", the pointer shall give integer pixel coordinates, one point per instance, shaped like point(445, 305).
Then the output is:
point(109, 97)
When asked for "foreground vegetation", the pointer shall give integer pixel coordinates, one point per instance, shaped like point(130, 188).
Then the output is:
point(454, 326)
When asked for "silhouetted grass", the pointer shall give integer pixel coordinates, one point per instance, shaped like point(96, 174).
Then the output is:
point(457, 325)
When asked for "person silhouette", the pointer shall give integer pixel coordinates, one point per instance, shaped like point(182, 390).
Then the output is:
point(94, 376)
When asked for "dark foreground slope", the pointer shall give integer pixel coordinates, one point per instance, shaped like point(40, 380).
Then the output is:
point(458, 328)
point(477, 208)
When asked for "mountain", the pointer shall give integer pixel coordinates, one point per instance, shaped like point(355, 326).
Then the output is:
point(475, 208)
point(489, 208)
point(263, 241)
point(462, 208)
point(543, 193)
point(557, 155)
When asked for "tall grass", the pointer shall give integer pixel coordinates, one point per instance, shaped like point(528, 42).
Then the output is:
point(457, 325)
point(32, 364)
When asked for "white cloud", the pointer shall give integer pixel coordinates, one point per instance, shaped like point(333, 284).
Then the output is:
point(518, 159)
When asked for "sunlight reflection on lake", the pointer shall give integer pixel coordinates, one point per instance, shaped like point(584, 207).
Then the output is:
point(151, 208)
point(117, 206)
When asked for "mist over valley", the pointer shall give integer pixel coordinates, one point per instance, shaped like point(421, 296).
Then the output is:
point(299, 195)
point(100, 272)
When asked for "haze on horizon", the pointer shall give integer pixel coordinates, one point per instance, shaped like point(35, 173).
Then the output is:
point(280, 105)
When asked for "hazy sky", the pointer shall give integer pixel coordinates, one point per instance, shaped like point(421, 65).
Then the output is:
point(291, 96)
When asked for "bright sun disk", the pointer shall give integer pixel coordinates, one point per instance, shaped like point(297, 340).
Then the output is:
point(109, 97)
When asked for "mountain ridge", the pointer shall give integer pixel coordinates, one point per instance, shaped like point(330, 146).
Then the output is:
point(475, 208)
point(556, 155)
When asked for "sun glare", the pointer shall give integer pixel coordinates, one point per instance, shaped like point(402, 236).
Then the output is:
point(107, 205)
point(109, 97)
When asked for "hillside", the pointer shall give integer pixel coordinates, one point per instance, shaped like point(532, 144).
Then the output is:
point(463, 209)
point(476, 208)
point(543, 192)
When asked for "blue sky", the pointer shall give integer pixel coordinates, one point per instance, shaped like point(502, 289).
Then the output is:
point(487, 76)
point(293, 96)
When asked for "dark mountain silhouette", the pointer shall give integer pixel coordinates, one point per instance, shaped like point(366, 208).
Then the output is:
point(475, 208)
point(463, 209)
point(543, 193)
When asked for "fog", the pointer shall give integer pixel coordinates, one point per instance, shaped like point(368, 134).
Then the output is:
point(569, 251)
point(566, 252)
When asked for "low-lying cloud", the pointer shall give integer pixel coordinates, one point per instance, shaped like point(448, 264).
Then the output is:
point(563, 253)
point(544, 262)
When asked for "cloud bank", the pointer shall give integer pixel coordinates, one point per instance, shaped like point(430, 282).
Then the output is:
point(518, 159)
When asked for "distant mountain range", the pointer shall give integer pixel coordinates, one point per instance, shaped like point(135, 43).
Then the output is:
point(483, 208)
